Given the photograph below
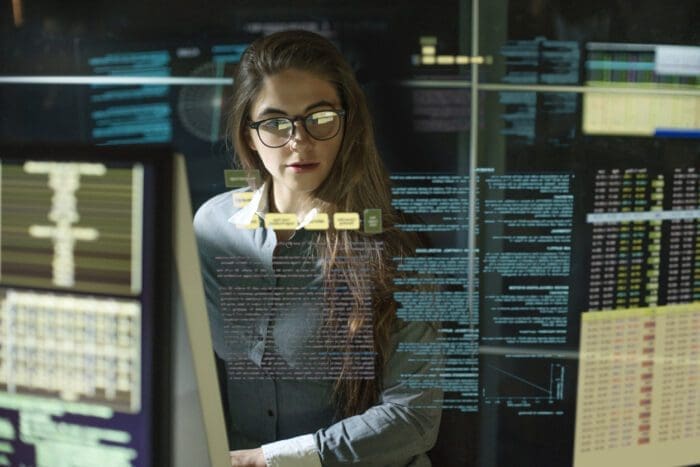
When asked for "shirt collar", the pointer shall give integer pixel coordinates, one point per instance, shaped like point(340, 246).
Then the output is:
point(259, 205)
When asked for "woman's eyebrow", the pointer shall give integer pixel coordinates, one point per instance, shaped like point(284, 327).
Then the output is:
point(319, 104)
point(271, 110)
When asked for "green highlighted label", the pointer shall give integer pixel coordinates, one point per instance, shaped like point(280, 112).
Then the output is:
point(373, 221)
point(241, 178)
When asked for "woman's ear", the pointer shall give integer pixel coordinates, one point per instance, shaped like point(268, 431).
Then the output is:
point(249, 140)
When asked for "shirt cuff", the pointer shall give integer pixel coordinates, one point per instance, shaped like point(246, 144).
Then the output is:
point(293, 452)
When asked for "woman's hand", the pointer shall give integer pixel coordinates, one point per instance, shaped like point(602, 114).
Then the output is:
point(247, 458)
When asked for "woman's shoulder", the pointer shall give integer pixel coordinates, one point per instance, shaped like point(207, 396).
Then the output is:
point(221, 204)
point(217, 210)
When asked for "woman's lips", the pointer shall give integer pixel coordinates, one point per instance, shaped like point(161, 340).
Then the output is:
point(299, 167)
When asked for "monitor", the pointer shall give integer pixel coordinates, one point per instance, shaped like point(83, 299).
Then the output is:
point(95, 349)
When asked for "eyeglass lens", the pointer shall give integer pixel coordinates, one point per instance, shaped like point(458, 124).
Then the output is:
point(277, 132)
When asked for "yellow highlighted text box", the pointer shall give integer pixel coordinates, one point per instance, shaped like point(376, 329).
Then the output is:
point(346, 221)
point(281, 221)
point(241, 198)
point(320, 222)
point(254, 224)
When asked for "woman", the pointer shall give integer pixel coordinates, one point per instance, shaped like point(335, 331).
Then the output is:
point(304, 320)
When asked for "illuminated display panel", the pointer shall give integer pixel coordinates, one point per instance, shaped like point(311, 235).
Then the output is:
point(644, 67)
point(81, 362)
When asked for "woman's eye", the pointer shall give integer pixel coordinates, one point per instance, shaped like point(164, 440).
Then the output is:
point(277, 124)
point(321, 118)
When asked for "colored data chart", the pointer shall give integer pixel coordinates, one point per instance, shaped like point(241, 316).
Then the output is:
point(643, 68)
point(645, 244)
point(638, 399)
point(625, 253)
point(84, 349)
point(71, 226)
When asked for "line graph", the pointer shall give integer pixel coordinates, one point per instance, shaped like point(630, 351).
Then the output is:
point(541, 384)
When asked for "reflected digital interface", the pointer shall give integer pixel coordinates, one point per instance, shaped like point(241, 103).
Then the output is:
point(577, 126)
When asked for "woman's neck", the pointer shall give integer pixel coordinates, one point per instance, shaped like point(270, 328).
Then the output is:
point(283, 200)
point(287, 202)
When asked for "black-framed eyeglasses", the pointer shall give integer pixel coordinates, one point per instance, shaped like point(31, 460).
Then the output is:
point(320, 125)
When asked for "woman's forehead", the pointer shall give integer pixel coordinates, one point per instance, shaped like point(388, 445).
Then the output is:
point(293, 91)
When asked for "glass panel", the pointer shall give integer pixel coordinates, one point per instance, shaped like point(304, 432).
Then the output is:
point(588, 157)
point(381, 40)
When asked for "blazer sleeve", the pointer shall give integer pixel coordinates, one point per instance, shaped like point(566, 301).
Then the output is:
point(404, 425)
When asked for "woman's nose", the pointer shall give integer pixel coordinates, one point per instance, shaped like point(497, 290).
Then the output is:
point(300, 134)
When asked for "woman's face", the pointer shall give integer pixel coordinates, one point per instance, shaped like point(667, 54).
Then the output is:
point(303, 163)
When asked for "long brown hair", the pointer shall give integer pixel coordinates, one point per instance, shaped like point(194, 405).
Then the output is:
point(357, 180)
